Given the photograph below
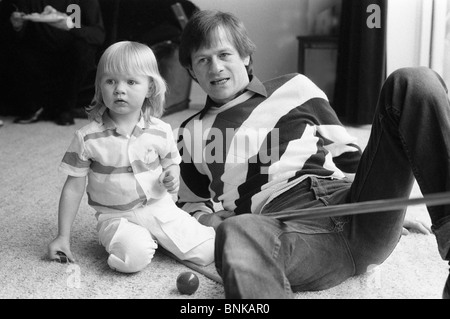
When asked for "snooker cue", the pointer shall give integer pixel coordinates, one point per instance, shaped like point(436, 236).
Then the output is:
point(382, 205)
point(200, 269)
point(375, 206)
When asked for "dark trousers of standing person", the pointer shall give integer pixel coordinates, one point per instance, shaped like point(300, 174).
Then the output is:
point(261, 257)
point(51, 80)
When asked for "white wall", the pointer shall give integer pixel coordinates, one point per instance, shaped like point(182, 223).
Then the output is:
point(409, 33)
point(275, 24)
point(446, 62)
point(419, 35)
point(274, 27)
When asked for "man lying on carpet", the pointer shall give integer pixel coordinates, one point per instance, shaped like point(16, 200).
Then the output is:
point(259, 148)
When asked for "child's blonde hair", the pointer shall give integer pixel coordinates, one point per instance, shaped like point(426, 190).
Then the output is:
point(129, 57)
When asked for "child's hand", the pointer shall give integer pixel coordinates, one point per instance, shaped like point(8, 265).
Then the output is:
point(60, 244)
point(170, 180)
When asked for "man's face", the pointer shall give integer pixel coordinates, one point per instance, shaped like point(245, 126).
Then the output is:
point(220, 70)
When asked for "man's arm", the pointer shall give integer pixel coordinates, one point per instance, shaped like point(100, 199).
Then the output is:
point(337, 140)
point(194, 194)
point(214, 219)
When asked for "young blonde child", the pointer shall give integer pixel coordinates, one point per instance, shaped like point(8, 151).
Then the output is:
point(130, 161)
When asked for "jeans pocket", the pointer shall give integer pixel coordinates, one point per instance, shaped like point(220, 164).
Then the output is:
point(324, 225)
point(310, 193)
point(332, 192)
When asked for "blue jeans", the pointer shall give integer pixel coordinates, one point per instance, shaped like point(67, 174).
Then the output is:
point(261, 257)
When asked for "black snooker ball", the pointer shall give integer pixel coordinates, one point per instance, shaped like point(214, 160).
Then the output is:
point(187, 283)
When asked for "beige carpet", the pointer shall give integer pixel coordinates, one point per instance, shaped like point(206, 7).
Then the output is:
point(29, 192)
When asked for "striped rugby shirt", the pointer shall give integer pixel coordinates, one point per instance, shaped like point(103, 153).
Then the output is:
point(123, 171)
point(252, 149)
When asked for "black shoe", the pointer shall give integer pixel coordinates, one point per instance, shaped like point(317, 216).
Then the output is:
point(446, 293)
point(32, 118)
point(64, 119)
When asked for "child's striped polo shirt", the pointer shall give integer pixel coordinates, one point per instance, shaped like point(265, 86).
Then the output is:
point(123, 171)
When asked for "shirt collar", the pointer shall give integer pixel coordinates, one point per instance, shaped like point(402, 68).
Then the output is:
point(104, 118)
point(255, 85)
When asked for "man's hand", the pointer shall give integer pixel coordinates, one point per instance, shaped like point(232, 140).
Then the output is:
point(214, 219)
point(416, 226)
point(17, 20)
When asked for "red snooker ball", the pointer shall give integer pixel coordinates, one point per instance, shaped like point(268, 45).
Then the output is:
point(187, 283)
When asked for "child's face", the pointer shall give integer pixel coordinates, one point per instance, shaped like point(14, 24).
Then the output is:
point(124, 94)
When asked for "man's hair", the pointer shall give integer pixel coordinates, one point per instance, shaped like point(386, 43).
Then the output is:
point(201, 31)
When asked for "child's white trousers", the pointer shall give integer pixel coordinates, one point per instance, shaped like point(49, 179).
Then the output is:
point(131, 238)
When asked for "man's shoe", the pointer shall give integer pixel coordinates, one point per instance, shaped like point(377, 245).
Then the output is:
point(32, 118)
point(65, 119)
point(446, 293)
